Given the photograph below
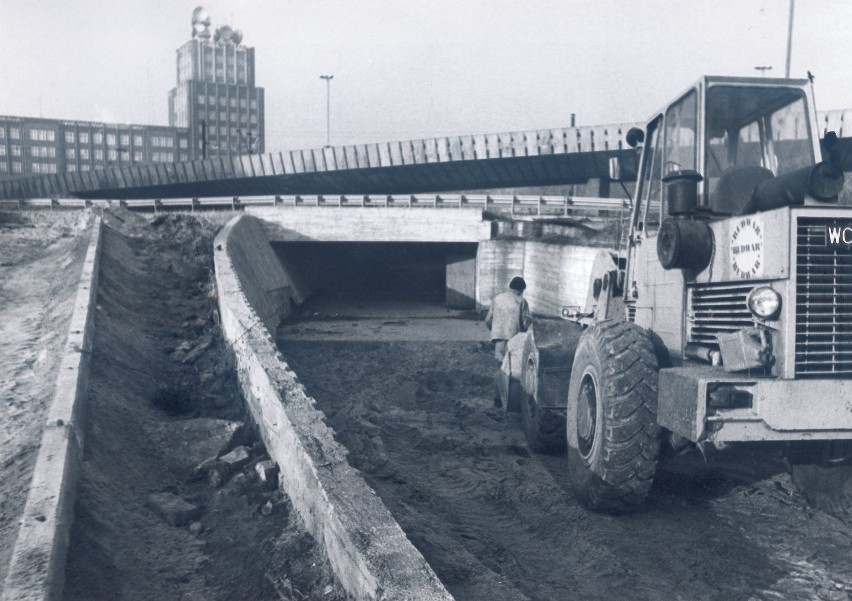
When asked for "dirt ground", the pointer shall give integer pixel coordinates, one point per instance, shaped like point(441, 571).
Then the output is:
point(41, 259)
point(497, 522)
point(163, 399)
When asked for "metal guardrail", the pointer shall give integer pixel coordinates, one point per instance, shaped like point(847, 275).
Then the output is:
point(519, 205)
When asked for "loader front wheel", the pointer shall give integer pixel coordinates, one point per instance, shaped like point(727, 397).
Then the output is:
point(612, 432)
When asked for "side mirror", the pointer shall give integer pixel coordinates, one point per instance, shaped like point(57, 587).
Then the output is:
point(614, 169)
point(624, 168)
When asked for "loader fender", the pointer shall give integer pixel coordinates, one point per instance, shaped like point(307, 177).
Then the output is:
point(549, 352)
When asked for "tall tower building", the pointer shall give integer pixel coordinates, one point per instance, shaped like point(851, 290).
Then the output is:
point(215, 97)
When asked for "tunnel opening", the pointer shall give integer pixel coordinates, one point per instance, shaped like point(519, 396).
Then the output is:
point(340, 279)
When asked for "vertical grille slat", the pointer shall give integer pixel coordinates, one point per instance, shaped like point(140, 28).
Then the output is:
point(717, 309)
point(823, 300)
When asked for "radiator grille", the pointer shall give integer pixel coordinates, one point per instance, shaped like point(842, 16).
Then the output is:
point(823, 300)
point(717, 309)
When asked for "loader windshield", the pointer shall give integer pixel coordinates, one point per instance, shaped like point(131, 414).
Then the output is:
point(753, 133)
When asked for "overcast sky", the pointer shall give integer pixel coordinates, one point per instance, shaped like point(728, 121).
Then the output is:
point(411, 68)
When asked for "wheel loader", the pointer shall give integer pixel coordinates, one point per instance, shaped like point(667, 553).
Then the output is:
point(727, 319)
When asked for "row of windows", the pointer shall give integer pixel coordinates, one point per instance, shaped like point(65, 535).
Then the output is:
point(43, 151)
point(43, 167)
point(164, 141)
point(42, 135)
point(163, 157)
point(211, 100)
point(223, 116)
point(14, 133)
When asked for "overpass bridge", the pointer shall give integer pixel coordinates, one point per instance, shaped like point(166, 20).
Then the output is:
point(515, 159)
point(563, 156)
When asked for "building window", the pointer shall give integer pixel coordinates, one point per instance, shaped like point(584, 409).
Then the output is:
point(125, 139)
point(51, 152)
point(84, 167)
point(35, 150)
point(84, 153)
point(2, 133)
point(70, 153)
point(184, 143)
point(69, 137)
point(113, 154)
point(223, 115)
point(201, 99)
point(137, 156)
point(2, 150)
point(110, 139)
point(15, 134)
point(84, 138)
point(3, 168)
point(254, 119)
point(254, 104)
point(98, 138)
point(99, 154)
point(211, 100)
point(137, 140)
point(223, 130)
point(16, 167)
point(243, 103)
point(233, 103)
point(184, 156)
point(72, 168)
point(16, 150)
point(42, 135)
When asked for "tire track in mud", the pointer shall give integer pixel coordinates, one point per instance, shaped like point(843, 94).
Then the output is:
point(496, 522)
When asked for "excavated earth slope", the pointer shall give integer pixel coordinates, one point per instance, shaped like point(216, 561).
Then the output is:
point(163, 399)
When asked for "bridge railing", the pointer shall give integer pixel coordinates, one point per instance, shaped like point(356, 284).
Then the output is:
point(508, 204)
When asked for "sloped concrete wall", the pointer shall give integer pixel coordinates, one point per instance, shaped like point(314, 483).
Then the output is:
point(556, 274)
point(37, 568)
point(367, 549)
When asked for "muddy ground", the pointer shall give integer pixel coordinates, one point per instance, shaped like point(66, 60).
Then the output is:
point(41, 259)
point(497, 522)
point(163, 399)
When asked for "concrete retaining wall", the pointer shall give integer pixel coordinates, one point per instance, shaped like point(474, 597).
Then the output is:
point(367, 549)
point(556, 274)
point(37, 569)
point(376, 224)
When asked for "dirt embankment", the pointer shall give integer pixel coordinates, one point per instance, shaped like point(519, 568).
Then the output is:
point(41, 259)
point(497, 522)
point(163, 399)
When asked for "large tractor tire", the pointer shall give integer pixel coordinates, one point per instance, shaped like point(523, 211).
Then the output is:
point(544, 429)
point(613, 437)
point(826, 485)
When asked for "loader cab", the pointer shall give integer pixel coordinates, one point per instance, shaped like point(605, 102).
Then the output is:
point(722, 137)
point(734, 133)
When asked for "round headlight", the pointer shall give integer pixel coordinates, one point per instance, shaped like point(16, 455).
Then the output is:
point(764, 302)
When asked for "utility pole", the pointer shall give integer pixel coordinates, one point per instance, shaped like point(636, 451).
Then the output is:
point(789, 39)
point(327, 79)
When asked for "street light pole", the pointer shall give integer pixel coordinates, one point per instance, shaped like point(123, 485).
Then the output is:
point(789, 39)
point(327, 79)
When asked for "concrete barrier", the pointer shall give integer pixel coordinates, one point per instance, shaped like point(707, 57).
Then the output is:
point(366, 548)
point(37, 569)
point(556, 274)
